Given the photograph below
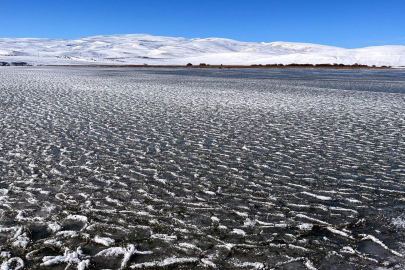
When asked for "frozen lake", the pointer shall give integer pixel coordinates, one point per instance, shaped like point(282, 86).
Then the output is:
point(109, 168)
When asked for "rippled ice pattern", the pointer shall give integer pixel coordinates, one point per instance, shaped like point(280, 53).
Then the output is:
point(197, 169)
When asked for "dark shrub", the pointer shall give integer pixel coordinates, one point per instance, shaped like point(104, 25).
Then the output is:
point(19, 64)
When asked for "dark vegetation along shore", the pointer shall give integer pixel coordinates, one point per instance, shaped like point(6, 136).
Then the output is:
point(203, 65)
point(14, 64)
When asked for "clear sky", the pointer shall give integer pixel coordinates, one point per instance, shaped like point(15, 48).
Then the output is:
point(349, 24)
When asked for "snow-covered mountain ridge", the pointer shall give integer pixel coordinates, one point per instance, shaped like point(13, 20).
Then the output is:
point(157, 50)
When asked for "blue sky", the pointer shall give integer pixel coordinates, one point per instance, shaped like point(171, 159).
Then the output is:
point(349, 24)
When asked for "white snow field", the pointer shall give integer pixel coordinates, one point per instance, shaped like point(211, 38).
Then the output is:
point(118, 168)
point(147, 49)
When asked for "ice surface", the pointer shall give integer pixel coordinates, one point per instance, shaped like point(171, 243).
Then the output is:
point(229, 169)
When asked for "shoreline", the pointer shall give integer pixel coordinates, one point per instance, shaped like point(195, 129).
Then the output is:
point(234, 66)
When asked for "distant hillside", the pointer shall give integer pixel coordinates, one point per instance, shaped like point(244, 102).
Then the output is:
point(155, 50)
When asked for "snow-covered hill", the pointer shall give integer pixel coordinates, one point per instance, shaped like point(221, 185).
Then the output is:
point(143, 48)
